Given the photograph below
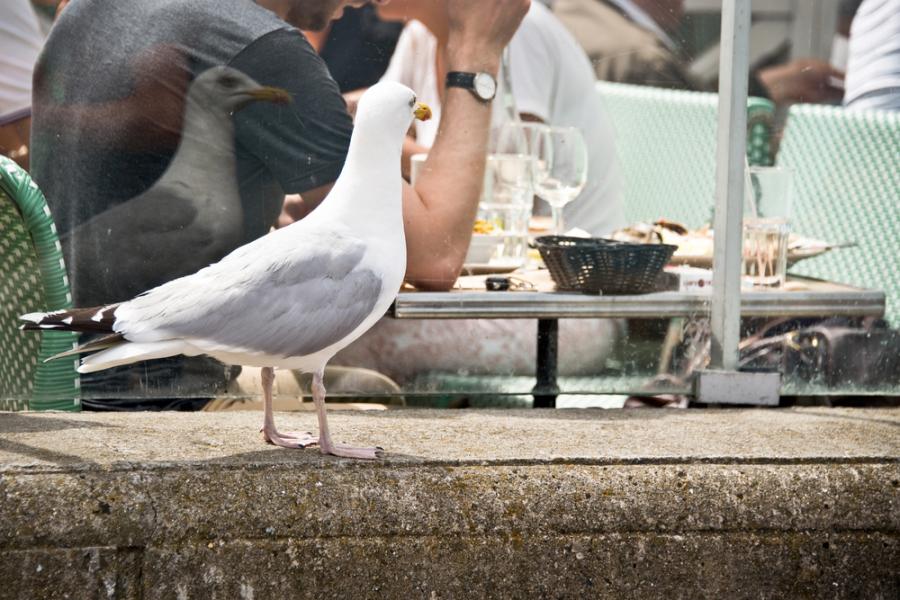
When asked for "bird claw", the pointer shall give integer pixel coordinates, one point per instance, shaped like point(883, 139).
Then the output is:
point(290, 439)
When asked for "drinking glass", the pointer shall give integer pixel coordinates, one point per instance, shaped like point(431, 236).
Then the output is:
point(560, 169)
point(767, 226)
point(508, 192)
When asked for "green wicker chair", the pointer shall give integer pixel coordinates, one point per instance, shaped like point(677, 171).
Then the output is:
point(666, 142)
point(847, 188)
point(33, 278)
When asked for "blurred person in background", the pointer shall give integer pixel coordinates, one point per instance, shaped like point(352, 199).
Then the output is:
point(21, 40)
point(873, 64)
point(357, 47)
point(630, 41)
point(846, 11)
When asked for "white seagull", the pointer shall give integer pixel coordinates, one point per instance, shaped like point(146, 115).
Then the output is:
point(291, 299)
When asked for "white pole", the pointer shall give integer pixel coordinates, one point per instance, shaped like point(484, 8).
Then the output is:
point(730, 159)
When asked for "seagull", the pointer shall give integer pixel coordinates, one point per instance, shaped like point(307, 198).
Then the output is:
point(192, 215)
point(290, 299)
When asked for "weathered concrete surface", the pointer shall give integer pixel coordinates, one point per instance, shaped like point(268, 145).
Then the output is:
point(741, 504)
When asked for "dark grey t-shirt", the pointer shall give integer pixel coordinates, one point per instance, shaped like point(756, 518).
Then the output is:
point(108, 103)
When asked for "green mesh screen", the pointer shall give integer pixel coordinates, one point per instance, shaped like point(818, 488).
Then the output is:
point(847, 189)
point(666, 142)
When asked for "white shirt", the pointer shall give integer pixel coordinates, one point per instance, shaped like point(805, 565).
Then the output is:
point(552, 79)
point(20, 43)
point(873, 65)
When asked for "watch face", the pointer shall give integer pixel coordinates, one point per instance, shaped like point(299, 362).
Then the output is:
point(485, 86)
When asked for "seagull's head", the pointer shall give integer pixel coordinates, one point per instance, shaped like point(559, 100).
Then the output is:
point(390, 106)
point(231, 90)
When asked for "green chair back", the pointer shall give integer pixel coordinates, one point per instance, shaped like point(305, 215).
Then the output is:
point(847, 189)
point(33, 279)
point(666, 142)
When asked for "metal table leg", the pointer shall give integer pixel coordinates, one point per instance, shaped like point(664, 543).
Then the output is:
point(546, 389)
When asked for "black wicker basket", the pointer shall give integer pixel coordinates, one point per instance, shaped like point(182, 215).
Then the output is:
point(595, 265)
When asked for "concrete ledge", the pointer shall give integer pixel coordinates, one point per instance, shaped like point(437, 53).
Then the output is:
point(737, 503)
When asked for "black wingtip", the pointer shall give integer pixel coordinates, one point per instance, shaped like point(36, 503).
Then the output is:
point(95, 320)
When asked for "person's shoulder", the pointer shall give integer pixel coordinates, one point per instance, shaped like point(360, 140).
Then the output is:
point(540, 31)
point(247, 10)
point(238, 19)
point(539, 21)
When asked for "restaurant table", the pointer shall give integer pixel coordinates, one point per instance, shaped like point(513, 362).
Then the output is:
point(801, 297)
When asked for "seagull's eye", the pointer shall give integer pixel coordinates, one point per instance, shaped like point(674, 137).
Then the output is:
point(412, 102)
point(228, 82)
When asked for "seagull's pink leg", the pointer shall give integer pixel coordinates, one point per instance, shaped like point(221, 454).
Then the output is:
point(325, 443)
point(270, 434)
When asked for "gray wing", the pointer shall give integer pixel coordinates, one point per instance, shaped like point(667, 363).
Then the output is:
point(282, 295)
point(150, 238)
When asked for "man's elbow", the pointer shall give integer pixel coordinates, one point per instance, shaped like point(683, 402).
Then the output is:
point(439, 276)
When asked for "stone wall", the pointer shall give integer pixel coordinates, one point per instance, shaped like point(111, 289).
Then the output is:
point(543, 504)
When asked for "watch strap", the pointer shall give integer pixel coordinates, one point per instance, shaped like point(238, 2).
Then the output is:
point(461, 79)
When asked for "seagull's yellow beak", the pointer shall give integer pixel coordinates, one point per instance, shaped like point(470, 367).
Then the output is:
point(422, 111)
point(270, 94)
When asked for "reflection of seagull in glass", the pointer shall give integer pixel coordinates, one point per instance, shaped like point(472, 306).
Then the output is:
point(191, 216)
point(291, 299)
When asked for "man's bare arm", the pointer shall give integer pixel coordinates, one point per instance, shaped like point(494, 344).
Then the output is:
point(440, 211)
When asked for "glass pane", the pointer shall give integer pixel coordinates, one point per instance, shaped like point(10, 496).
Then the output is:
point(161, 151)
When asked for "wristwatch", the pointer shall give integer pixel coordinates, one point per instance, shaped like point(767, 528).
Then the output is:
point(482, 85)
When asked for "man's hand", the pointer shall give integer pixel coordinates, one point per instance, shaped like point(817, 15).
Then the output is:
point(803, 80)
point(296, 207)
point(292, 210)
point(479, 31)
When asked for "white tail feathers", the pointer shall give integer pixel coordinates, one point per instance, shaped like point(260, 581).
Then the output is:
point(128, 353)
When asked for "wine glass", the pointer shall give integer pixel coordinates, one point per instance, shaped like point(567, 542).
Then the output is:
point(560, 169)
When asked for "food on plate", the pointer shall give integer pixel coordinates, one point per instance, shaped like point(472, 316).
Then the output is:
point(676, 227)
point(483, 226)
point(695, 247)
point(639, 233)
point(690, 243)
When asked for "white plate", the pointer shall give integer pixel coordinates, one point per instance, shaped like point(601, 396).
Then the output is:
point(487, 268)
